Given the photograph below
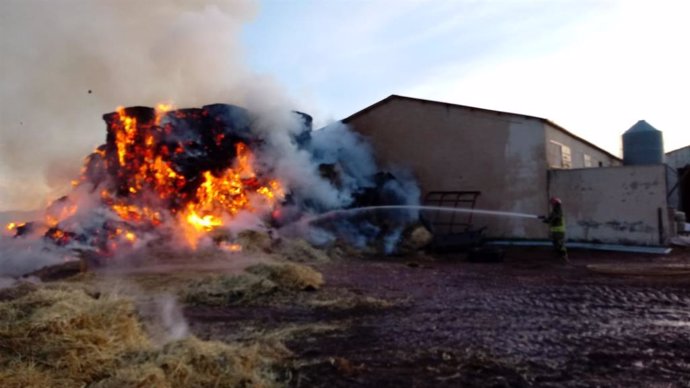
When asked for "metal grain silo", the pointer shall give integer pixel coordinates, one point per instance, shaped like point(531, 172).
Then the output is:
point(643, 144)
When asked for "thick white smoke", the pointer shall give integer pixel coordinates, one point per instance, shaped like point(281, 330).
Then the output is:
point(65, 63)
point(21, 256)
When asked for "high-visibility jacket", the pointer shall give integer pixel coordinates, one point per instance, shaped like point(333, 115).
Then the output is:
point(556, 220)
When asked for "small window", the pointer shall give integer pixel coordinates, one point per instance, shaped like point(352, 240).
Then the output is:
point(566, 160)
point(558, 155)
point(587, 160)
point(553, 155)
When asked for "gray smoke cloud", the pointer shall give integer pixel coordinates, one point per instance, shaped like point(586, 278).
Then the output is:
point(65, 63)
point(21, 256)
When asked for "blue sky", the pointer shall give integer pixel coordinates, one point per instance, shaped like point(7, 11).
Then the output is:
point(594, 67)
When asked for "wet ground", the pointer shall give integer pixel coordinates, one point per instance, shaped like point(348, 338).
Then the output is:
point(524, 322)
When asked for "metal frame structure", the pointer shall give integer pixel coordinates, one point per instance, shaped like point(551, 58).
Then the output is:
point(452, 230)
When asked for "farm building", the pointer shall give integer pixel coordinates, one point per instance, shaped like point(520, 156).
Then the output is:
point(515, 163)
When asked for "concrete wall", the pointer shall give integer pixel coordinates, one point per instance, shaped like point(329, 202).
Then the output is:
point(617, 205)
point(449, 147)
point(578, 150)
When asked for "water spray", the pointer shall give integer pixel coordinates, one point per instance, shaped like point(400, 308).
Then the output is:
point(336, 213)
point(299, 227)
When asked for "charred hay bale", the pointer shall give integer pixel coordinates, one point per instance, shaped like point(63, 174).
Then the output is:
point(17, 291)
point(60, 271)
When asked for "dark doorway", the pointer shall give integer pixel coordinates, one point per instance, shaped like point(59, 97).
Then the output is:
point(684, 190)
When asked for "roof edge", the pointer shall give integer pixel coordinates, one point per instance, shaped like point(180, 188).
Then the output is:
point(399, 97)
point(546, 121)
point(677, 149)
point(558, 127)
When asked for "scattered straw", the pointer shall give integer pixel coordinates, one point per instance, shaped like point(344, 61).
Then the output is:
point(289, 276)
point(258, 283)
point(224, 290)
point(62, 337)
point(301, 251)
point(353, 302)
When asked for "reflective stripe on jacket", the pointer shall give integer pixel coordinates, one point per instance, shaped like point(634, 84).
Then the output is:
point(558, 228)
point(556, 220)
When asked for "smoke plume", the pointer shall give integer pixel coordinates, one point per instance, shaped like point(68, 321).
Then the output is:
point(64, 63)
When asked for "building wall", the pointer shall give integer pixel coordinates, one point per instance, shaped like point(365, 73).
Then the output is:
point(678, 158)
point(617, 205)
point(579, 151)
point(449, 147)
point(679, 161)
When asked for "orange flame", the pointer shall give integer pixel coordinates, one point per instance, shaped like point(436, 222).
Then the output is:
point(59, 212)
point(161, 110)
point(131, 237)
point(13, 225)
point(150, 180)
point(220, 194)
point(230, 247)
point(125, 138)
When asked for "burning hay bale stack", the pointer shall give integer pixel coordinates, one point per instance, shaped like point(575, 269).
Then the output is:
point(188, 189)
point(198, 177)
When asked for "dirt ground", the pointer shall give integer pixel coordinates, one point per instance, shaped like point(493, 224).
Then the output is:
point(447, 322)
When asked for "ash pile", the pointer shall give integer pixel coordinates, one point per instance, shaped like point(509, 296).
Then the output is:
point(198, 177)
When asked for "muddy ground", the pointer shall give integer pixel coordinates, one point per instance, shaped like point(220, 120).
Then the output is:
point(525, 322)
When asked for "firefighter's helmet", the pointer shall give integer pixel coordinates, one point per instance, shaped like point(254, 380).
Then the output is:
point(555, 201)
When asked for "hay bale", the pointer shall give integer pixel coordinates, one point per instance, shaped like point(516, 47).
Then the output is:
point(289, 276)
point(419, 237)
point(60, 271)
point(414, 238)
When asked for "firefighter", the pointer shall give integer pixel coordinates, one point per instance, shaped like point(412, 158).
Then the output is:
point(556, 223)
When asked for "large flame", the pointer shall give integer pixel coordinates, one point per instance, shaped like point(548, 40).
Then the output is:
point(218, 198)
point(144, 190)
